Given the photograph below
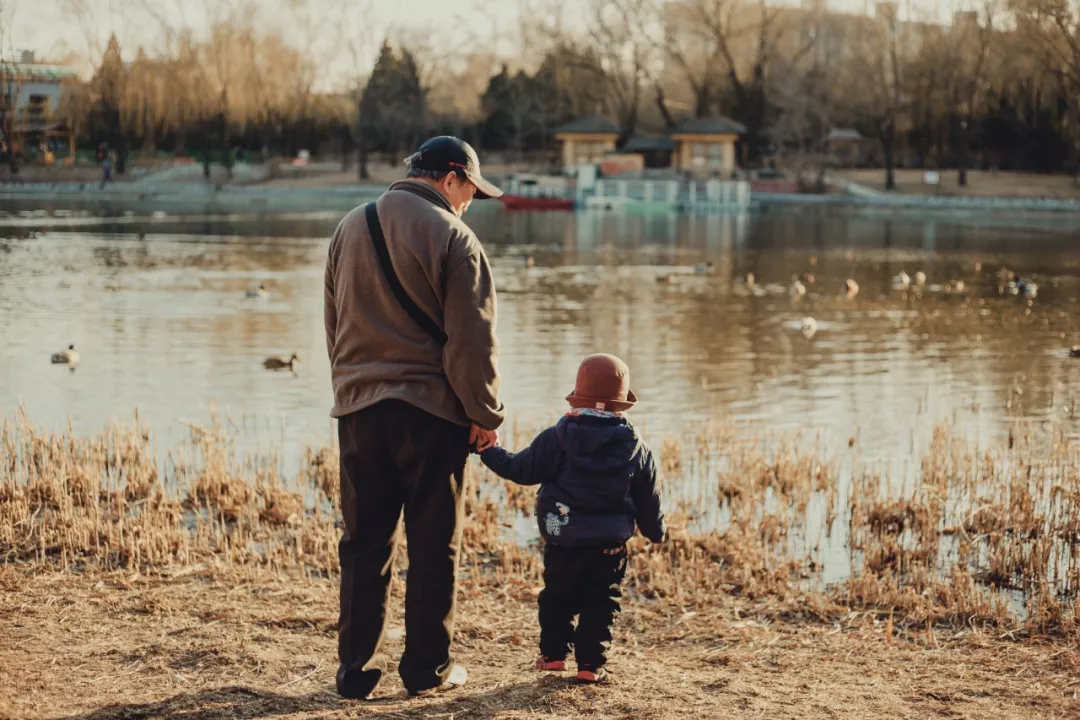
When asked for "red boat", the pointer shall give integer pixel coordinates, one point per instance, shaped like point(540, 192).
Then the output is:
point(521, 202)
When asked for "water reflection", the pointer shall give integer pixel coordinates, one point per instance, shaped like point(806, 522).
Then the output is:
point(157, 308)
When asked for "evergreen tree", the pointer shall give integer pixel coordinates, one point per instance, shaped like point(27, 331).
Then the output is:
point(521, 110)
point(410, 105)
point(108, 86)
point(393, 106)
point(499, 127)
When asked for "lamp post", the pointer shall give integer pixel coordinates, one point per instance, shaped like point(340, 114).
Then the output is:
point(962, 142)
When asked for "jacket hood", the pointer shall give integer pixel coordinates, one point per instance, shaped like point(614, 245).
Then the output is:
point(598, 444)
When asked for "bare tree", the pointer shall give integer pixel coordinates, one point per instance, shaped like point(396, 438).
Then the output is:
point(241, 77)
point(456, 86)
point(628, 57)
point(360, 45)
point(804, 90)
point(221, 72)
point(976, 38)
point(74, 107)
point(947, 81)
point(876, 76)
point(693, 48)
point(9, 84)
point(1051, 30)
point(86, 15)
point(615, 55)
point(730, 46)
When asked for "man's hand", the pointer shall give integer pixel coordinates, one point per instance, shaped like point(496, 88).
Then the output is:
point(482, 438)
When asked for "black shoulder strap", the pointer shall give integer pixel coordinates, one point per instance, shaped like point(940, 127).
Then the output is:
point(379, 240)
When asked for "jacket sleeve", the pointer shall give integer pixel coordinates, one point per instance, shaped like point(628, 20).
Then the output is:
point(470, 357)
point(646, 496)
point(534, 465)
point(329, 299)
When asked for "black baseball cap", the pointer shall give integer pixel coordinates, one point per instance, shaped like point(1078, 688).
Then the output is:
point(446, 153)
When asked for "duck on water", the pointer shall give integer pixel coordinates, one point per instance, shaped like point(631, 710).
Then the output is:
point(66, 357)
point(281, 363)
point(1019, 286)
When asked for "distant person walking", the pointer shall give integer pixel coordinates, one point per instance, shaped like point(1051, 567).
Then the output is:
point(410, 328)
point(106, 170)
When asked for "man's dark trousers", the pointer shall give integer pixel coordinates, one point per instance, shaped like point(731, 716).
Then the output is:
point(397, 457)
point(586, 582)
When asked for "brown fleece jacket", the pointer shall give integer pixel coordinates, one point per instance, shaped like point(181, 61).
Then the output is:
point(377, 352)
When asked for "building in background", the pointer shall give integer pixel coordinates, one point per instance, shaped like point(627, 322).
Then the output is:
point(30, 94)
point(655, 149)
point(586, 141)
point(846, 147)
point(705, 147)
point(697, 147)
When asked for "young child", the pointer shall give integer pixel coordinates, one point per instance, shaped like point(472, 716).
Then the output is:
point(597, 478)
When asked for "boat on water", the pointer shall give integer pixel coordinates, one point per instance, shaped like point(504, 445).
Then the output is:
point(523, 202)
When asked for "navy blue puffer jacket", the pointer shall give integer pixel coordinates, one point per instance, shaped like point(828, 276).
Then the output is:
point(596, 476)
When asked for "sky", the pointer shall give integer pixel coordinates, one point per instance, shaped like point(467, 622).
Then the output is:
point(60, 28)
point(53, 31)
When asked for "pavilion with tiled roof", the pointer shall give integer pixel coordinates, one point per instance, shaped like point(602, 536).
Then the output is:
point(698, 146)
point(586, 140)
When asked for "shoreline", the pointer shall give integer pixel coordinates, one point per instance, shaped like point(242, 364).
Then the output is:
point(197, 197)
point(200, 197)
point(207, 588)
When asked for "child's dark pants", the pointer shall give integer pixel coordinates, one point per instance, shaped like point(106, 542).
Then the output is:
point(580, 581)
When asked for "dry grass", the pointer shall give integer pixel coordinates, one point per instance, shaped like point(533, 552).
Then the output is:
point(287, 176)
point(979, 535)
point(204, 585)
point(980, 184)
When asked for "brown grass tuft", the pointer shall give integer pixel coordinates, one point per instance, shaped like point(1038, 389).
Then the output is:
point(985, 537)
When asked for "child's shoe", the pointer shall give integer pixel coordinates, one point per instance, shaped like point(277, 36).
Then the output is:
point(592, 677)
point(545, 664)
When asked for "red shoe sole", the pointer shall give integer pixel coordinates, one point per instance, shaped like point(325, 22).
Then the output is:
point(587, 676)
point(555, 666)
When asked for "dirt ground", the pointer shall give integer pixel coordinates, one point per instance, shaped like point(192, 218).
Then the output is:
point(980, 184)
point(58, 174)
point(319, 178)
point(196, 645)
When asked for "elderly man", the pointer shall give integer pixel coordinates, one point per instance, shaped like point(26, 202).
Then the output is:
point(410, 328)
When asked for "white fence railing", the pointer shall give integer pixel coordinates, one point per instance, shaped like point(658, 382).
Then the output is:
point(639, 191)
point(710, 194)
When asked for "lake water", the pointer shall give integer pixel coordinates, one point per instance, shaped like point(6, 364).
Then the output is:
point(156, 306)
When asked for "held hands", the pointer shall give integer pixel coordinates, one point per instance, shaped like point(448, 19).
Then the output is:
point(482, 438)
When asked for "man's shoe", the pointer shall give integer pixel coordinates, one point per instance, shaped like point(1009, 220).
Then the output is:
point(351, 689)
point(458, 676)
point(543, 664)
point(592, 677)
